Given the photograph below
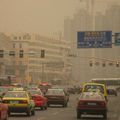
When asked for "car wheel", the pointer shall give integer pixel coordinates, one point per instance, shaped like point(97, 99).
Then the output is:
point(105, 115)
point(78, 115)
point(45, 107)
point(42, 107)
point(6, 117)
point(9, 113)
point(48, 104)
point(64, 104)
point(29, 112)
point(33, 112)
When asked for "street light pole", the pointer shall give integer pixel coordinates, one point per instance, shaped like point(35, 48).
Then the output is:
point(42, 71)
point(42, 56)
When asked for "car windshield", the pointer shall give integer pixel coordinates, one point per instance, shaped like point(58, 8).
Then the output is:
point(94, 88)
point(35, 92)
point(16, 94)
point(55, 92)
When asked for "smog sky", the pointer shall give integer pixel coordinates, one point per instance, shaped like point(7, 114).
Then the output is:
point(41, 16)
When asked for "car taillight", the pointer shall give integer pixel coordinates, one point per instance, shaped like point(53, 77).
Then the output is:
point(80, 103)
point(23, 101)
point(39, 98)
point(103, 104)
point(62, 97)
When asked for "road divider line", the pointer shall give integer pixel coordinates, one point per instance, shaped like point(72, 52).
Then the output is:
point(55, 113)
point(42, 118)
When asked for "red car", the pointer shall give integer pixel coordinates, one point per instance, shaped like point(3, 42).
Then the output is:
point(39, 99)
point(92, 103)
point(3, 111)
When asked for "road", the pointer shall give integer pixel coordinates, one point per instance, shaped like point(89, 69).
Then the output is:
point(69, 113)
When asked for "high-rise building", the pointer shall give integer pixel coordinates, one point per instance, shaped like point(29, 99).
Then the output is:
point(103, 21)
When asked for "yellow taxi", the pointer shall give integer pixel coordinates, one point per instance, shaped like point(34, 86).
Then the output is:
point(95, 87)
point(19, 102)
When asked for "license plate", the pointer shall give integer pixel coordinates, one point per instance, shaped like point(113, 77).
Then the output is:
point(14, 102)
point(91, 103)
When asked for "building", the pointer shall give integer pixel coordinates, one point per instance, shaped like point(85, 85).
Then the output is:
point(6, 59)
point(41, 59)
point(85, 20)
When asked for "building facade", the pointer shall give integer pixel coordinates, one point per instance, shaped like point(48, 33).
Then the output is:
point(41, 59)
point(83, 21)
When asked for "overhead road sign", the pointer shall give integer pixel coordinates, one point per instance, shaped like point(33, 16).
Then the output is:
point(117, 38)
point(94, 39)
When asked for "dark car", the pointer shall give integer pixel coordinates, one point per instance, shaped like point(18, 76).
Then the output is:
point(111, 90)
point(57, 96)
point(4, 89)
point(92, 103)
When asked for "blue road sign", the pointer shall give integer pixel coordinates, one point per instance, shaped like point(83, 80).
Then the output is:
point(94, 39)
point(117, 38)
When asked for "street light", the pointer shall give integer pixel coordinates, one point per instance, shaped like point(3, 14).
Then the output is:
point(42, 56)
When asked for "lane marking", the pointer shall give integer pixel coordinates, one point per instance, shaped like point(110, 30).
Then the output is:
point(42, 118)
point(55, 113)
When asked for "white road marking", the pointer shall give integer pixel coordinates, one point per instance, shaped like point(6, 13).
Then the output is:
point(55, 113)
point(41, 118)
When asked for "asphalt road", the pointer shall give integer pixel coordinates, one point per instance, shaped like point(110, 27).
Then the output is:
point(69, 113)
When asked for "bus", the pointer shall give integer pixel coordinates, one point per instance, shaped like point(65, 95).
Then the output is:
point(115, 82)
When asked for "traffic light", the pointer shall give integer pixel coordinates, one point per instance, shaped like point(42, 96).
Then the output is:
point(42, 53)
point(91, 64)
point(21, 53)
point(11, 53)
point(103, 64)
point(117, 64)
point(1, 53)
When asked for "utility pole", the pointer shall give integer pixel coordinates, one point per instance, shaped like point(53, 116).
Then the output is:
point(42, 68)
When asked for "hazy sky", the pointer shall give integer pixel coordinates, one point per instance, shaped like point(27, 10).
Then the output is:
point(43, 16)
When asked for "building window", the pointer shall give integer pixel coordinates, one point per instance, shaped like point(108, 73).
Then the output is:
point(15, 38)
point(20, 45)
point(19, 38)
point(13, 45)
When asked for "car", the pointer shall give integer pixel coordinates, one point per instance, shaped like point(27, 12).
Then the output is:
point(39, 99)
point(95, 87)
point(3, 111)
point(91, 103)
point(44, 86)
point(4, 89)
point(19, 102)
point(57, 96)
point(111, 90)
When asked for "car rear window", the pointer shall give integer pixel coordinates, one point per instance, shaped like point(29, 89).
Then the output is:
point(93, 88)
point(93, 96)
point(55, 92)
point(16, 94)
point(35, 92)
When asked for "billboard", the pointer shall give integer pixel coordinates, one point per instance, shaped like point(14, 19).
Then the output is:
point(117, 38)
point(94, 39)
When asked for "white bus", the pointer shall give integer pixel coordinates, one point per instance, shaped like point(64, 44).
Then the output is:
point(108, 81)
